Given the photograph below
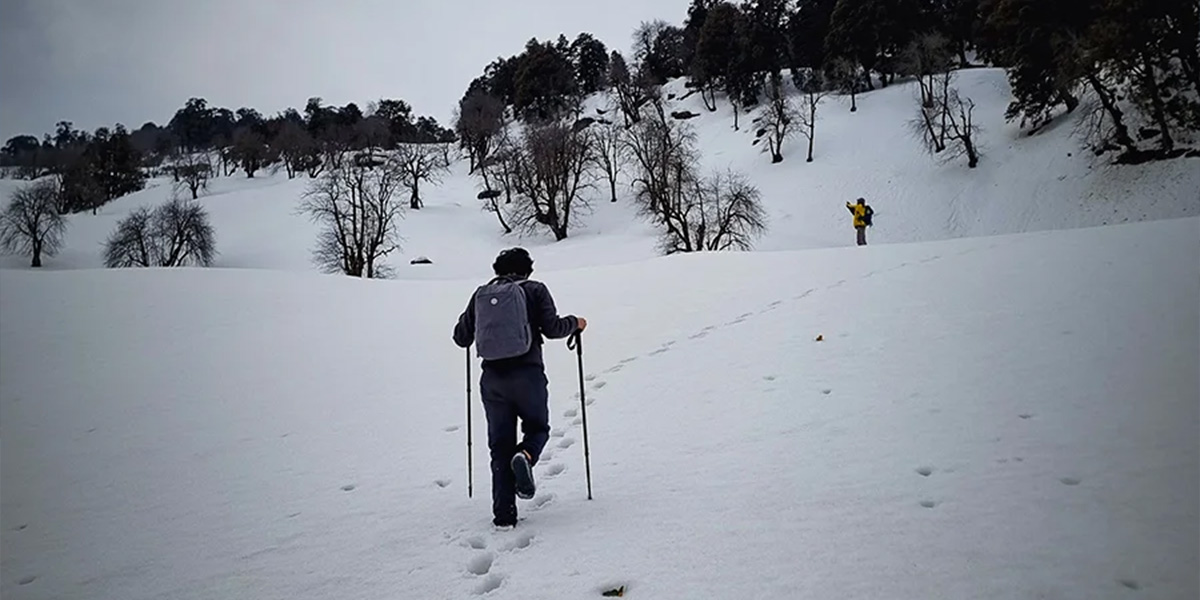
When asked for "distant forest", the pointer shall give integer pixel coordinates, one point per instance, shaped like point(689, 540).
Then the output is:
point(1132, 64)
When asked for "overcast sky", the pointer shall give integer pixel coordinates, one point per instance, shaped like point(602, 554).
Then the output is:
point(101, 62)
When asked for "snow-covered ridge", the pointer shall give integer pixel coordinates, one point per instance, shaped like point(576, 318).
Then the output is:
point(1024, 183)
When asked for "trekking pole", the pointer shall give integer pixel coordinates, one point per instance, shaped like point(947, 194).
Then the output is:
point(575, 342)
point(470, 478)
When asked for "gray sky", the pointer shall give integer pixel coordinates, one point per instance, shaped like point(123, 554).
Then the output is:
point(100, 62)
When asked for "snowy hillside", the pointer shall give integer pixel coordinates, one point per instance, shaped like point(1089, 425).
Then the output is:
point(1004, 417)
point(1023, 184)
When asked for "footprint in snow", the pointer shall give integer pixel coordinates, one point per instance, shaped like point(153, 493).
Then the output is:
point(928, 503)
point(662, 350)
point(542, 501)
point(827, 391)
point(566, 443)
point(599, 385)
point(768, 378)
point(925, 471)
point(490, 583)
point(614, 369)
point(557, 433)
point(349, 487)
point(590, 377)
point(1070, 481)
point(20, 527)
point(696, 336)
point(450, 428)
point(577, 421)
point(27, 580)
point(480, 564)
point(626, 361)
point(570, 412)
point(521, 541)
point(1026, 416)
point(476, 542)
point(442, 482)
point(546, 455)
point(555, 470)
point(1130, 583)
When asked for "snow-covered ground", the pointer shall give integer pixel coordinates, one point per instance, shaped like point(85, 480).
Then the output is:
point(996, 417)
point(1005, 401)
point(1024, 183)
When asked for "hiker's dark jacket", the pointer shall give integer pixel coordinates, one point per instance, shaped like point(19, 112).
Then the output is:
point(543, 319)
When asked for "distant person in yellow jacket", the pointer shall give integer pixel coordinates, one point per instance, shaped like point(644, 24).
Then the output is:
point(862, 218)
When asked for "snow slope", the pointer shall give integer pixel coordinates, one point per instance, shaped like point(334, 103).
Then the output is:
point(1024, 183)
point(1001, 417)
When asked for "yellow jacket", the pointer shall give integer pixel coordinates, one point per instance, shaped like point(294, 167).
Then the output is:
point(860, 212)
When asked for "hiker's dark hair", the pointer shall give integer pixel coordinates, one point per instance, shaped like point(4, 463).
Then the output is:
point(513, 261)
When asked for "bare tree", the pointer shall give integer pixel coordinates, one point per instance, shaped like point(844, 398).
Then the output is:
point(722, 212)
point(297, 148)
point(664, 157)
point(192, 171)
point(175, 234)
point(925, 57)
point(552, 167)
point(845, 75)
point(358, 207)
point(610, 152)
point(963, 130)
point(31, 224)
point(948, 123)
point(693, 214)
point(623, 89)
point(780, 119)
point(498, 170)
point(421, 162)
point(811, 99)
point(336, 142)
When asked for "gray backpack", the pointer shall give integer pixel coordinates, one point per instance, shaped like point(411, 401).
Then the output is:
point(502, 320)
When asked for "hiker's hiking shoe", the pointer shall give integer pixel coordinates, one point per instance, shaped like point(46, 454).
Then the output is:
point(523, 473)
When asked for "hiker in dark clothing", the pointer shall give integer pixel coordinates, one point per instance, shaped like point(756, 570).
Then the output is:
point(514, 386)
point(862, 218)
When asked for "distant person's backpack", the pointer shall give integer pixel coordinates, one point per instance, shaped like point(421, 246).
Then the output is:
point(502, 320)
point(867, 215)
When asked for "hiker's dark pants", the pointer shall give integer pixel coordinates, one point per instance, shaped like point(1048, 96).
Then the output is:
point(862, 235)
point(510, 394)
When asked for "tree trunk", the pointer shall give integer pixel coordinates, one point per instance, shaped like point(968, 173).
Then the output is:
point(415, 202)
point(710, 100)
point(1106, 100)
point(1159, 110)
point(37, 255)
